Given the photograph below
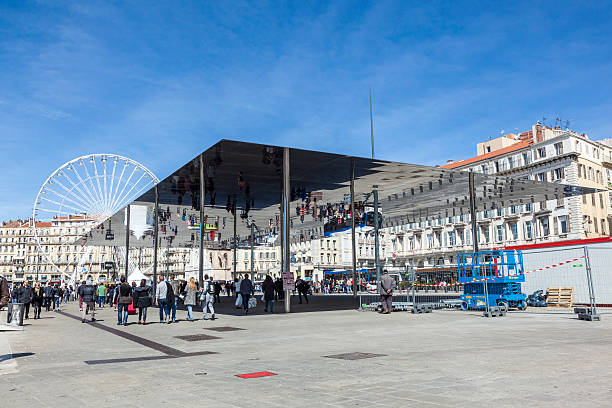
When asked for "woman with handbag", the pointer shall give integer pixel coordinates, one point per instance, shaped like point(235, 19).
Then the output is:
point(190, 298)
point(142, 300)
point(124, 299)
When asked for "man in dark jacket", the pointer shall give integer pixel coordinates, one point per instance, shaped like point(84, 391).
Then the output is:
point(176, 291)
point(246, 290)
point(387, 283)
point(24, 295)
point(302, 287)
point(88, 293)
point(49, 293)
point(5, 295)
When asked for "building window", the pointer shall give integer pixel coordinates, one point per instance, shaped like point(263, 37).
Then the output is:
point(601, 200)
point(513, 230)
point(563, 224)
point(558, 174)
point(545, 226)
point(595, 225)
point(593, 199)
point(541, 177)
point(559, 148)
point(541, 152)
point(526, 160)
point(528, 230)
point(603, 226)
point(452, 240)
point(499, 233)
point(485, 234)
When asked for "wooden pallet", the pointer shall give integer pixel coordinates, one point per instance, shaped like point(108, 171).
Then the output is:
point(560, 297)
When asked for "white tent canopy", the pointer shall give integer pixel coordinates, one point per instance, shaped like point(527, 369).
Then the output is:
point(136, 276)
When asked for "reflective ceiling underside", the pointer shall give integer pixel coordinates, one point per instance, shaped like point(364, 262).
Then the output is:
point(250, 175)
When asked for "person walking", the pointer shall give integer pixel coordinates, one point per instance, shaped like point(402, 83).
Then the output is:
point(48, 295)
point(302, 288)
point(124, 300)
point(208, 294)
point(15, 292)
point(237, 283)
point(142, 300)
point(87, 292)
point(101, 295)
point(246, 290)
point(217, 296)
point(24, 295)
point(161, 299)
point(5, 294)
point(176, 291)
point(191, 291)
point(268, 293)
point(387, 284)
point(57, 297)
point(38, 295)
point(278, 288)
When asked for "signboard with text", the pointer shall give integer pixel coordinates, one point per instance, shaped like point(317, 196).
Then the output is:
point(288, 281)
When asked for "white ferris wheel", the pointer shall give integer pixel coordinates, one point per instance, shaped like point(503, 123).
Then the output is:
point(79, 196)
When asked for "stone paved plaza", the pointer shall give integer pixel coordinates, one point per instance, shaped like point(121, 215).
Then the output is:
point(445, 359)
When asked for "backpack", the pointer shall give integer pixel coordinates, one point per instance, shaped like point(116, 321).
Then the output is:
point(210, 288)
point(169, 293)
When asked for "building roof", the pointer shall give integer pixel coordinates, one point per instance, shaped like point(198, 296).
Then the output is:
point(517, 146)
point(12, 224)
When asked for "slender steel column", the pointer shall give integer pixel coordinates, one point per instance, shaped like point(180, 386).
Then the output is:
point(155, 240)
point(592, 301)
point(376, 249)
point(476, 258)
point(127, 239)
point(202, 224)
point(354, 243)
point(288, 282)
point(235, 238)
point(252, 251)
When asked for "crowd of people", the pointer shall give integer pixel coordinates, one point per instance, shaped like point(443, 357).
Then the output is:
point(136, 298)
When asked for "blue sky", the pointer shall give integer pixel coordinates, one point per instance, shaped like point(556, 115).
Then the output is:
point(161, 81)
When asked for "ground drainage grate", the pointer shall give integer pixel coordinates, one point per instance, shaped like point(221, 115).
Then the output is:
point(223, 328)
point(355, 356)
point(197, 337)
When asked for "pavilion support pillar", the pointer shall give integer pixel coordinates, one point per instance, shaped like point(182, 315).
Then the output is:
point(376, 243)
point(127, 239)
point(202, 223)
point(155, 239)
point(356, 278)
point(287, 276)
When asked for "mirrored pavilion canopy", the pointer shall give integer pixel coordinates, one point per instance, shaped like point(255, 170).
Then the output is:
point(248, 177)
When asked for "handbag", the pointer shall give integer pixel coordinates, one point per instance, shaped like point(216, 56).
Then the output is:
point(125, 300)
point(239, 300)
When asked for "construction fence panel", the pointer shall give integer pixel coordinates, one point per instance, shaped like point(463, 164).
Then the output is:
point(600, 257)
point(560, 275)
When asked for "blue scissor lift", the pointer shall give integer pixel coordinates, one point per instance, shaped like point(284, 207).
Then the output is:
point(503, 270)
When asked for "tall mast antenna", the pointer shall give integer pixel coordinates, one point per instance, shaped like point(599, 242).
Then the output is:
point(371, 124)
